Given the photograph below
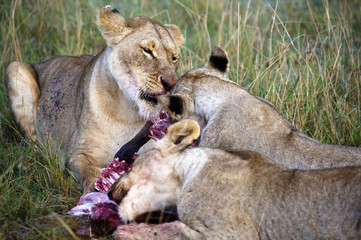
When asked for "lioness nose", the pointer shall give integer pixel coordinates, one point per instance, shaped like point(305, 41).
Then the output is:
point(168, 82)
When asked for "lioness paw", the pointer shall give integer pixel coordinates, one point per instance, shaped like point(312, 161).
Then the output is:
point(126, 211)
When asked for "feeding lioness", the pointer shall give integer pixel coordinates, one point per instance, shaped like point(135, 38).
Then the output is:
point(91, 105)
point(235, 195)
point(233, 119)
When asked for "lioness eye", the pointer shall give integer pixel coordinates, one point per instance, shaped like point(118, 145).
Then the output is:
point(148, 51)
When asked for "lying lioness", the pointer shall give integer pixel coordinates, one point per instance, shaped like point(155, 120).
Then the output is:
point(91, 105)
point(235, 195)
point(233, 119)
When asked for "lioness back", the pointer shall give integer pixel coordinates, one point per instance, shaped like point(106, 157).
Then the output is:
point(57, 77)
point(61, 68)
point(248, 196)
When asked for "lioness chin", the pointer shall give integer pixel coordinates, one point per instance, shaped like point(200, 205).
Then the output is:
point(91, 105)
point(234, 195)
point(233, 119)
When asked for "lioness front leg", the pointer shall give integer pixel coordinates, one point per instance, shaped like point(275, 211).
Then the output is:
point(85, 170)
point(173, 230)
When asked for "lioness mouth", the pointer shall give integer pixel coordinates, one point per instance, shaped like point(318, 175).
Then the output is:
point(150, 97)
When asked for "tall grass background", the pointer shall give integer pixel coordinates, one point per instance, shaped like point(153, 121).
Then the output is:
point(304, 56)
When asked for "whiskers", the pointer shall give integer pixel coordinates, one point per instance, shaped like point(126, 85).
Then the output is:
point(152, 85)
point(144, 92)
point(150, 90)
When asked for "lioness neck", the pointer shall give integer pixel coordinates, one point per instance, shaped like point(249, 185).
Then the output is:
point(186, 167)
point(105, 95)
point(207, 104)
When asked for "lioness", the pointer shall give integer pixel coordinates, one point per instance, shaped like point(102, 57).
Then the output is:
point(233, 119)
point(235, 195)
point(91, 105)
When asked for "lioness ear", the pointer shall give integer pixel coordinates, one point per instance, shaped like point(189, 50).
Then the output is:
point(175, 104)
point(175, 33)
point(218, 61)
point(111, 25)
point(183, 133)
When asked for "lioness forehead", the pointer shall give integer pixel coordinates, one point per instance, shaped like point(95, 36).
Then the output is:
point(161, 32)
point(137, 22)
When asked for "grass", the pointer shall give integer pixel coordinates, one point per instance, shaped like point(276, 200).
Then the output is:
point(304, 56)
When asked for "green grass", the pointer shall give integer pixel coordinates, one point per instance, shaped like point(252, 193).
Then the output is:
point(304, 56)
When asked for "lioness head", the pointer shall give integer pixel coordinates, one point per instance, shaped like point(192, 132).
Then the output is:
point(152, 174)
point(142, 57)
point(180, 103)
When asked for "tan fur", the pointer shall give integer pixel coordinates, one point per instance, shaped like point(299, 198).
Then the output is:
point(23, 106)
point(233, 119)
point(91, 105)
point(236, 195)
